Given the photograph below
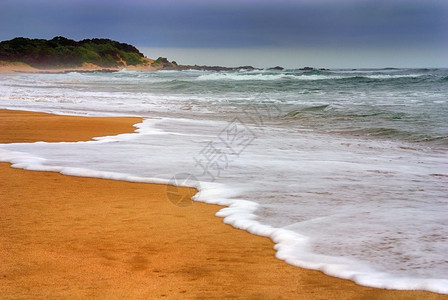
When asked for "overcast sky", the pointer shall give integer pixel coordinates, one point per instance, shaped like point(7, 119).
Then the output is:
point(321, 33)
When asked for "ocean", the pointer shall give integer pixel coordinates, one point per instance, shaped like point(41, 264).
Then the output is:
point(345, 170)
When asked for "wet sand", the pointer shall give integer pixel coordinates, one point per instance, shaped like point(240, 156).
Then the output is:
point(84, 238)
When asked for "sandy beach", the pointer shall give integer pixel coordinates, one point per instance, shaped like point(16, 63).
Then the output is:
point(83, 238)
point(18, 67)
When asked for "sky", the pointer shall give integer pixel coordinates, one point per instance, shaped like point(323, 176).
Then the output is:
point(262, 33)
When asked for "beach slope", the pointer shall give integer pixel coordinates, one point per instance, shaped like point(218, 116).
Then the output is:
point(84, 238)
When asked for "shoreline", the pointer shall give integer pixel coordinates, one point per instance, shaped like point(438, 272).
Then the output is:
point(22, 68)
point(18, 68)
point(81, 237)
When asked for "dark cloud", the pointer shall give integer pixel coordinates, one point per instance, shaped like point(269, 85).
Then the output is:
point(231, 23)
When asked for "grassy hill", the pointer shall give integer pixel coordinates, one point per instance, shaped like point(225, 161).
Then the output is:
point(64, 55)
point(62, 52)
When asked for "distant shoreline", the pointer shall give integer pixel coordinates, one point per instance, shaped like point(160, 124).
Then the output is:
point(20, 67)
point(63, 55)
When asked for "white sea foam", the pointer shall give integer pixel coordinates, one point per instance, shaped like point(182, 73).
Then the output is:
point(239, 76)
point(370, 211)
point(389, 76)
point(269, 76)
point(260, 76)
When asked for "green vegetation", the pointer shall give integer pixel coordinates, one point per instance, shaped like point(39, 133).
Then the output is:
point(63, 52)
point(160, 60)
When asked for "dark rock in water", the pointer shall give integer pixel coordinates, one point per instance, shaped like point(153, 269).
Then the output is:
point(245, 68)
point(278, 68)
point(306, 69)
point(323, 69)
point(206, 68)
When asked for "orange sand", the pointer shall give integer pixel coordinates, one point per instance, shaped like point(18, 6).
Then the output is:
point(82, 238)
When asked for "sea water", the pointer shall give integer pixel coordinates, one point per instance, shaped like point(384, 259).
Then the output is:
point(345, 170)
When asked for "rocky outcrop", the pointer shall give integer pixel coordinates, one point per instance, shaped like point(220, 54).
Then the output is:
point(306, 69)
point(277, 68)
point(174, 66)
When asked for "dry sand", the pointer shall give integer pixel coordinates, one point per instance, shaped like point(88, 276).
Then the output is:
point(18, 67)
point(15, 67)
point(81, 238)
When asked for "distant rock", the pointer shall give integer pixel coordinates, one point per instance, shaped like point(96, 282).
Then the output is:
point(246, 68)
point(277, 68)
point(307, 69)
point(208, 68)
point(160, 61)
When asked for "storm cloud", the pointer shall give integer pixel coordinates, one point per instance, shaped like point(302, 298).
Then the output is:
point(234, 24)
